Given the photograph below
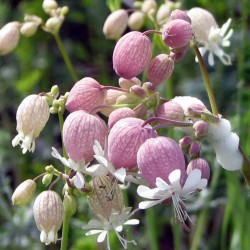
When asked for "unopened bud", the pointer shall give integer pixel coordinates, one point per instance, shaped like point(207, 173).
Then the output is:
point(115, 24)
point(28, 29)
point(105, 197)
point(138, 91)
point(171, 110)
point(179, 14)
point(47, 179)
point(49, 5)
point(200, 164)
point(128, 83)
point(53, 25)
point(9, 37)
point(194, 150)
point(149, 6)
point(55, 91)
point(200, 129)
point(24, 193)
point(70, 204)
point(185, 143)
point(136, 20)
point(64, 10)
point(160, 69)
point(149, 87)
point(49, 169)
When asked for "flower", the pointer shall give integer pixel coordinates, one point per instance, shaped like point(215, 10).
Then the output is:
point(208, 34)
point(115, 223)
point(174, 190)
point(32, 115)
point(78, 167)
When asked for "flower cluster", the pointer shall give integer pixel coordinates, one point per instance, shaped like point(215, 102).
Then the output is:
point(129, 147)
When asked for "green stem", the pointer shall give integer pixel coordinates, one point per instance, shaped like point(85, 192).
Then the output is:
point(203, 216)
point(65, 232)
point(177, 238)
point(65, 57)
point(206, 79)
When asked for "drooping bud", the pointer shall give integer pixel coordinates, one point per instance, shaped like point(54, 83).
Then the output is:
point(200, 128)
point(28, 29)
point(124, 140)
point(48, 213)
point(136, 20)
point(115, 24)
point(9, 37)
point(158, 157)
point(49, 5)
point(119, 114)
point(69, 204)
point(185, 143)
point(32, 115)
point(160, 69)
point(171, 110)
point(194, 150)
point(180, 14)
point(132, 54)
point(85, 95)
point(105, 197)
point(128, 83)
point(200, 164)
point(177, 33)
point(80, 130)
point(24, 193)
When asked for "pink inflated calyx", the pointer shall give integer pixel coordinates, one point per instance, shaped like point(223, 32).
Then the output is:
point(80, 130)
point(180, 14)
point(132, 54)
point(124, 140)
point(86, 94)
point(160, 69)
point(177, 33)
point(158, 157)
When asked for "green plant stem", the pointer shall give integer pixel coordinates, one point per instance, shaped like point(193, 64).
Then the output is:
point(177, 237)
point(65, 57)
point(65, 232)
point(151, 229)
point(203, 216)
point(206, 79)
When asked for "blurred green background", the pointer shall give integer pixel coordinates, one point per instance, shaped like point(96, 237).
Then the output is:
point(221, 214)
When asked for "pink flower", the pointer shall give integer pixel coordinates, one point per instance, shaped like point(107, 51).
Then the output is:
point(80, 130)
point(32, 115)
point(132, 54)
point(124, 140)
point(85, 95)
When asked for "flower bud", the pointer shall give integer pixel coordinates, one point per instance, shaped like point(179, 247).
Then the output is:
point(115, 24)
point(160, 69)
point(48, 213)
point(200, 164)
point(158, 157)
point(105, 197)
point(9, 37)
point(149, 6)
point(200, 129)
point(136, 20)
point(85, 95)
point(163, 13)
point(141, 111)
point(179, 53)
point(128, 83)
point(80, 130)
point(177, 33)
point(28, 29)
point(185, 143)
point(32, 115)
point(124, 140)
point(149, 87)
point(53, 25)
point(138, 91)
point(171, 110)
point(49, 5)
point(24, 193)
point(47, 179)
point(69, 204)
point(180, 14)
point(119, 114)
point(132, 54)
point(194, 150)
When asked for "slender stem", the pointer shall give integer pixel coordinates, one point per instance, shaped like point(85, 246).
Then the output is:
point(206, 79)
point(65, 232)
point(177, 238)
point(65, 57)
point(151, 229)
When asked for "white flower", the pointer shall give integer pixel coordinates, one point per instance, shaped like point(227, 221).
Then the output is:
point(106, 167)
point(164, 191)
point(32, 115)
point(78, 167)
point(114, 223)
point(217, 38)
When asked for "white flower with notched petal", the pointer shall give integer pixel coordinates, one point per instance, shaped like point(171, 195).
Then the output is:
point(115, 223)
point(164, 191)
point(78, 167)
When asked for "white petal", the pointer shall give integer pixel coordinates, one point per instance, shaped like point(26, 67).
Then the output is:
point(56, 155)
point(202, 184)
point(92, 232)
point(120, 174)
point(102, 236)
point(148, 204)
point(225, 27)
point(132, 222)
point(102, 160)
point(174, 178)
point(210, 59)
point(119, 228)
point(146, 192)
point(161, 184)
point(97, 170)
point(78, 180)
point(229, 34)
point(192, 180)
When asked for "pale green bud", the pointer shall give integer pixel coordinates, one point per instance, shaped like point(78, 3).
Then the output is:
point(49, 5)
point(47, 179)
point(64, 10)
point(53, 25)
point(50, 169)
point(24, 193)
point(55, 91)
point(136, 20)
point(28, 29)
point(70, 204)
